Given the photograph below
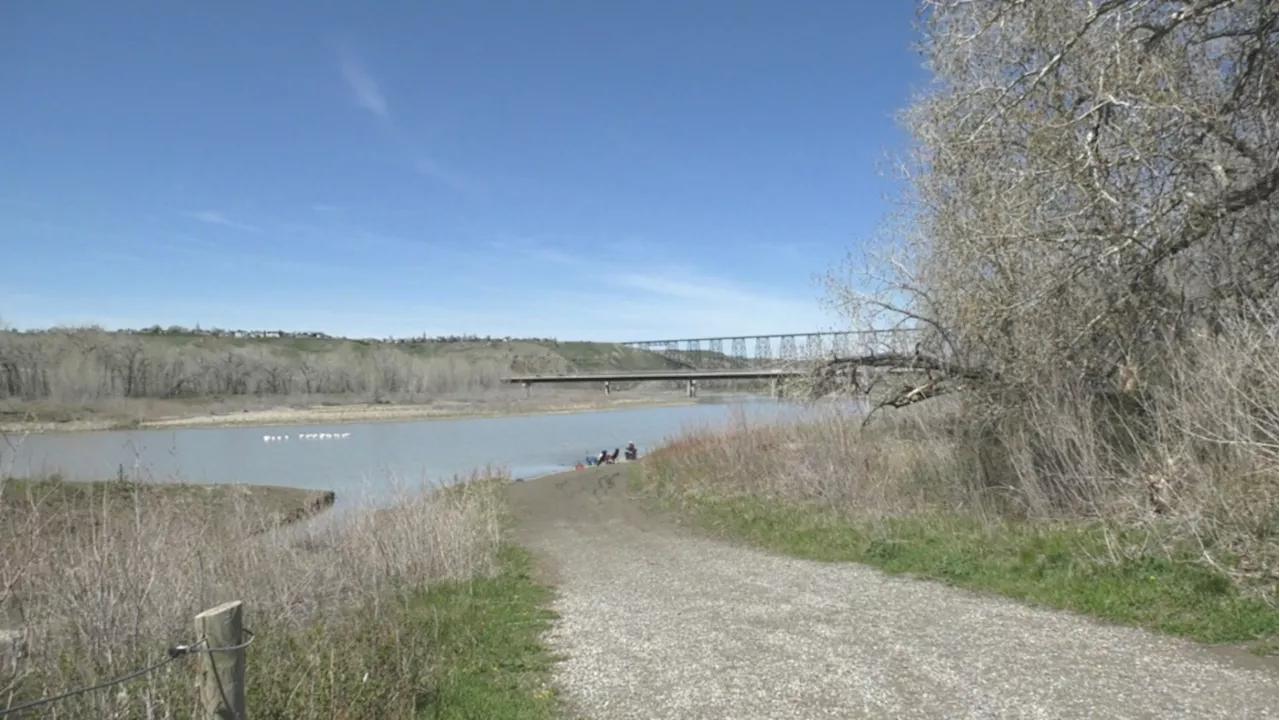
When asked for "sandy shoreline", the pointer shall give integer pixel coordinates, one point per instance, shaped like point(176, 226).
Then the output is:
point(335, 415)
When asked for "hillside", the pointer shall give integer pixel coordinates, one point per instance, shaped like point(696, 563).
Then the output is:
point(513, 355)
point(58, 375)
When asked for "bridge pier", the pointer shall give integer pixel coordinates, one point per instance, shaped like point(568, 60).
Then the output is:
point(527, 388)
point(607, 389)
point(775, 387)
point(692, 389)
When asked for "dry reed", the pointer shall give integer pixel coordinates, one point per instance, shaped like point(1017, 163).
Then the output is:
point(331, 601)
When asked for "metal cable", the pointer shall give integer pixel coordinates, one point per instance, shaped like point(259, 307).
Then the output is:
point(115, 681)
point(175, 652)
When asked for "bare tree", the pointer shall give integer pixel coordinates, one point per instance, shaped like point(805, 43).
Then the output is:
point(73, 367)
point(1086, 178)
point(1088, 248)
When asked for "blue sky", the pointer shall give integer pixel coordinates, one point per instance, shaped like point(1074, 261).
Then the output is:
point(585, 170)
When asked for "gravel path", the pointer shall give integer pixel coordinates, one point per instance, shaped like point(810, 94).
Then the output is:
point(660, 622)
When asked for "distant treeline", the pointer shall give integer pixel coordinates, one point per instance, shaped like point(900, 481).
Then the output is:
point(86, 365)
point(179, 330)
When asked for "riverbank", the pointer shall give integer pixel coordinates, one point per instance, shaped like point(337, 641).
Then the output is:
point(49, 507)
point(333, 411)
point(378, 617)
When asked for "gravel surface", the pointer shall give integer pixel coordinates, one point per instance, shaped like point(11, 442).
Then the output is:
point(662, 622)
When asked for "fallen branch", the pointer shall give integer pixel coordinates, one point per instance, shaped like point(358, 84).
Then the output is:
point(911, 395)
point(840, 372)
point(913, 361)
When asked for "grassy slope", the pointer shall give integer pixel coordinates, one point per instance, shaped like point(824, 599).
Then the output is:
point(1044, 565)
point(544, 356)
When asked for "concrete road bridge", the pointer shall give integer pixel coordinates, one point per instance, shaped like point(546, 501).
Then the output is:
point(743, 357)
point(689, 377)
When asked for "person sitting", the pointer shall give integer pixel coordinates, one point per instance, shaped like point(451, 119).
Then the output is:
point(632, 453)
point(603, 457)
point(613, 457)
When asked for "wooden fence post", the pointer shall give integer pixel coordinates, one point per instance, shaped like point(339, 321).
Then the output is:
point(222, 673)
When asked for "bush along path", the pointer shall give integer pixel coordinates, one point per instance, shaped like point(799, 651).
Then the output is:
point(657, 620)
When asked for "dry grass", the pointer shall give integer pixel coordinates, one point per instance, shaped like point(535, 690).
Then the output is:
point(1181, 469)
point(105, 580)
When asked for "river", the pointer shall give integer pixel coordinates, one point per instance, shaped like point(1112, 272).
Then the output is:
point(367, 460)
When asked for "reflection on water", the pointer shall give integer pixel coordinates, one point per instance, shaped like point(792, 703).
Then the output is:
point(356, 459)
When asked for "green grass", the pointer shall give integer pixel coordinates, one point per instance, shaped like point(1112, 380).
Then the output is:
point(592, 356)
point(582, 355)
point(487, 633)
point(1067, 567)
point(459, 650)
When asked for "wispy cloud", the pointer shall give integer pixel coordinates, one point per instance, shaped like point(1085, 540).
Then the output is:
point(366, 92)
point(623, 296)
point(431, 169)
point(21, 204)
point(365, 89)
point(566, 289)
point(163, 250)
point(213, 217)
point(40, 227)
point(689, 303)
point(536, 249)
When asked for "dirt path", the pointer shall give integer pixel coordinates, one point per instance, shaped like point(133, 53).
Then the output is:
point(661, 622)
